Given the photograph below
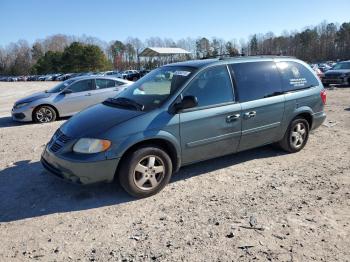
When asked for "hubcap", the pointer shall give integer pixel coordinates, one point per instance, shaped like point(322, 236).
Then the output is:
point(298, 135)
point(149, 172)
point(44, 115)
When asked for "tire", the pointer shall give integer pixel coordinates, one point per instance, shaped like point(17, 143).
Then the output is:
point(296, 136)
point(145, 171)
point(44, 114)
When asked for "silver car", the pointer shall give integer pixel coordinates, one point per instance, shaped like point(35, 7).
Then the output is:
point(67, 98)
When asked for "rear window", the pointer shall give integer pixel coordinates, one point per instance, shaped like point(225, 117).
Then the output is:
point(295, 76)
point(256, 80)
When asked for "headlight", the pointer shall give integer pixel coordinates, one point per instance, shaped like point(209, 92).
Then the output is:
point(20, 105)
point(91, 145)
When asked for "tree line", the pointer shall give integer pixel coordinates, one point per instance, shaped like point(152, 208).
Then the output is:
point(62, 53)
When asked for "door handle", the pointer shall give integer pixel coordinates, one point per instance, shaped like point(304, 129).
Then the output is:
point(232, 118)
point(88, 94)
point(250, 114)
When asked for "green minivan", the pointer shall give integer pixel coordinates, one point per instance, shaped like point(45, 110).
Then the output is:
point(184, 113)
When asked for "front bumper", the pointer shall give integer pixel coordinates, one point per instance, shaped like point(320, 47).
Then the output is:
point(22, 114)
point(79, 172)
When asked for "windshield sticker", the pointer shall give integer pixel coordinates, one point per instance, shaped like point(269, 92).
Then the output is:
point(182, 73)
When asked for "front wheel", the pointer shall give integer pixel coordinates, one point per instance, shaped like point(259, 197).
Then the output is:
point(296, 136)
point(145, 171)
point(44, 114)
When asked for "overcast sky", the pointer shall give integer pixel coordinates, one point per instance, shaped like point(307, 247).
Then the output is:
point(114, 19)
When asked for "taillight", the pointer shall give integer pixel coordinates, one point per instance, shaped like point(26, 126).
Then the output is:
point(323, 96)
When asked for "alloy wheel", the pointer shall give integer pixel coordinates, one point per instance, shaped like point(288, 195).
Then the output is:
point(44, 115)
point(149, 172)
point(298, 135)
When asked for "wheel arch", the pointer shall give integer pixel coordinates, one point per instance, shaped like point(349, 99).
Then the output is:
point(164, 144)
point(307, 116)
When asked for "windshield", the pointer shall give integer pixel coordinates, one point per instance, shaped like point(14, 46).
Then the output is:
point(344, 65)
point(58, 88)
point(156, 87)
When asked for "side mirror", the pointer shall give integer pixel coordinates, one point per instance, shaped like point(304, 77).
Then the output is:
point(186, 102)
point(67, 91)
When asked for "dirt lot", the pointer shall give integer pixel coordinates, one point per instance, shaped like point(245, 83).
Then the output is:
point(301, 202)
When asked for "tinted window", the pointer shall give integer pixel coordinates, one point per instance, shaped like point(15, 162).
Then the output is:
point(105, 83)
point(81, 86)
point(211, 87)
point(296, 76)
point(256, 80)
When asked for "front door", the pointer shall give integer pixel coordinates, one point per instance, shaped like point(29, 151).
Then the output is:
point(213, 128)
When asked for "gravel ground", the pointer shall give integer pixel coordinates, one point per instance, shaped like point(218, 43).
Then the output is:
point(299, 204)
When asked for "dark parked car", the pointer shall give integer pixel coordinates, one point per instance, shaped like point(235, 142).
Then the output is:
point(131, 75)
point(339, 74)
point(184, 113)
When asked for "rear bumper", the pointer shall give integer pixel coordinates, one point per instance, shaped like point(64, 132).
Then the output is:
point(318, 119)
point(79, 172)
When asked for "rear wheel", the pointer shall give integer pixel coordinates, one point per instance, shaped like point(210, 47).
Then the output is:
point(145, 171)
point(296, 136)
point(44, 114)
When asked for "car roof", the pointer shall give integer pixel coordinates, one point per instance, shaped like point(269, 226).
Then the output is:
point(225, 60)
point(98, 76)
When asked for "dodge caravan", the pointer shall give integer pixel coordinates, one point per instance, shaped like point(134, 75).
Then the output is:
point(184, 113)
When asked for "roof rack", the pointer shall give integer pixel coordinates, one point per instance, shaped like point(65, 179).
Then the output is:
point(228, 56)
point(258, 56)
point(222, 56)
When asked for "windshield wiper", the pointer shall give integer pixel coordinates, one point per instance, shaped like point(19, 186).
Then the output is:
point(125, 102)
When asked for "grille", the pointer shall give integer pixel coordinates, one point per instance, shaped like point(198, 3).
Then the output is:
point(58, 140)
point(63, 138)
point(55, 147)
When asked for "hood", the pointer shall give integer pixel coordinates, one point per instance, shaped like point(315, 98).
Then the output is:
point(95, 120)
point(337, 72)
point(33, 97)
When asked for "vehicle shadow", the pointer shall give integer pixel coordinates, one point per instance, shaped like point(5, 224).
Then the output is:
point(347, 109)
point(226, 161)
point(28, 191)
point(7, 121)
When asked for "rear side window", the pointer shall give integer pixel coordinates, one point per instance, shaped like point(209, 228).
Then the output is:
point(296, 76)
point(211, 87)
point(83, 85)
point(256, 80)
point(105, 83)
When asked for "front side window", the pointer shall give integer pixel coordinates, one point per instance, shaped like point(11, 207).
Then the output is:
point(256, 80)
point(156, 87)
point(211, 87)
point(58, 88)
point(82, 85)
point(296, 76)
